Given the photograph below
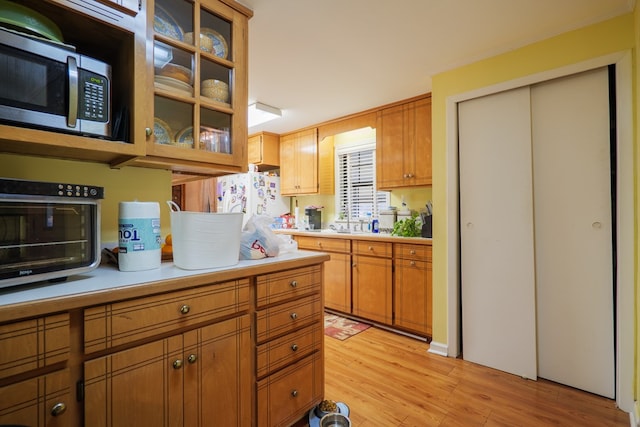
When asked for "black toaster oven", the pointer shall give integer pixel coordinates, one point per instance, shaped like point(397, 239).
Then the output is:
point(48, 230)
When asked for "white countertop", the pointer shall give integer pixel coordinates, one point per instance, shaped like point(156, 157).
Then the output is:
point(107, 278)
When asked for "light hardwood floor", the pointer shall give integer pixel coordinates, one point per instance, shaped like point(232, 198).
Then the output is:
point(390, 380)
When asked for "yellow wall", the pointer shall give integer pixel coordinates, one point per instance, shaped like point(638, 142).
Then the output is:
point(126, 184)
point(597, 40)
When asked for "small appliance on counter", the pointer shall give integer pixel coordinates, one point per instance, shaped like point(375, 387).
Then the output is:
point(387, 219)
point(51, 86)
point(48, 230)
point(314, 217)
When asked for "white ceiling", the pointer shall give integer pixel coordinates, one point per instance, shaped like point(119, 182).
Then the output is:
point(322, 59)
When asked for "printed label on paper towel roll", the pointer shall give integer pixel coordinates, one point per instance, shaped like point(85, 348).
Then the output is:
point(139, 234)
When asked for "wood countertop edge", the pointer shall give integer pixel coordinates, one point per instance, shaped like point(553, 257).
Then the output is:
point(378, 237)
point(45, 306)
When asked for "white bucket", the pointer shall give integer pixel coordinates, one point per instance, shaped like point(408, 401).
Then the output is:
point(205, 240)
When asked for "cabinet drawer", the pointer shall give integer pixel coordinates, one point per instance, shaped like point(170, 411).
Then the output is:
point(281, 286)
point(120, 323)
point(323, 244)
point(30, 402)
point(283, 318)
point(367, 247)
point(33, 344)
point(280, 352)
point(287, 395)
point(407, 251)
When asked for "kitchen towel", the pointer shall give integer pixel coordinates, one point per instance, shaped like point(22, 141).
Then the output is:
point(139, 240)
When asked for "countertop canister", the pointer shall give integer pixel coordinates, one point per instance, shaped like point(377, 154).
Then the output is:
point(139, 238)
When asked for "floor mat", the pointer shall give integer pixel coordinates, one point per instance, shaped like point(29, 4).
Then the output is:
point(342, 328)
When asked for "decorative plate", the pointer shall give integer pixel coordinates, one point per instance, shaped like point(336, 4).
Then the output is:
point(171, 84)
point(164, 24)
point(23, 19)
point(220, 47)
point(161, 132)
point(185, 137)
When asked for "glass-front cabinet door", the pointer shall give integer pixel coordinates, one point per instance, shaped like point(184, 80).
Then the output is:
point(199, 105)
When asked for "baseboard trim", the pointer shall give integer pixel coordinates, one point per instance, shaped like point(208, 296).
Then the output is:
point(634, 418)
point(438, 348)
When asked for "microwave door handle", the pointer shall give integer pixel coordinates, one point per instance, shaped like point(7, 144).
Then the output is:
point(72, 67)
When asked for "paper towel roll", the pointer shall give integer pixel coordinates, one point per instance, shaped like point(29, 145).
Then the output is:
point(139, 241)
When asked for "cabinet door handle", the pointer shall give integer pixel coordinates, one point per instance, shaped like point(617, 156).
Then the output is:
point(294, 347)
point(294, 283)
point(192, 358)
point(353, 265)
point(148, 131)
point(177, 364)
point(294, 393)
point(185, 309)
point(58, 409)
point(294, 315)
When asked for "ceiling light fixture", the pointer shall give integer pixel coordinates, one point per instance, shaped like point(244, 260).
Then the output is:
point(261, 113)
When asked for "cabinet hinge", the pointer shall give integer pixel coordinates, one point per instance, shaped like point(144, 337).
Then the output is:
point(80, 391)
point(139, 5)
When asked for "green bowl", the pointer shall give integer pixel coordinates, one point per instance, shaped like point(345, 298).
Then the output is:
point(26, 20)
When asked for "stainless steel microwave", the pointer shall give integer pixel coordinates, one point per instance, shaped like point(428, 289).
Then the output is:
point(48, 85)
point(48, 231)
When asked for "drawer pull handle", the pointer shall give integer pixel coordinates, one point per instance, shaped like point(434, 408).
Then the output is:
point(294, 315)
point(177, 364)
point(412, 263)
point(412, 252)
point(294, 393)
point(370, 248)
point(185, 309)
point(192, 358)
point(320, 244)
point(58, 409)
point(294, 283)
point(294, 347)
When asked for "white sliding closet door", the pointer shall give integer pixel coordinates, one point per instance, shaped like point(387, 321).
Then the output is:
point(572, 199)
point(496, 222)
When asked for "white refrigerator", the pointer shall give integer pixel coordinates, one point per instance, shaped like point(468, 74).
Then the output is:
point(252, 193)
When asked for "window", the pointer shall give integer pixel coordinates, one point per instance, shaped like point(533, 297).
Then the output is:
point(356, 193)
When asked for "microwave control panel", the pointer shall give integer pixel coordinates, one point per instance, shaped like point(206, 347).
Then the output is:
point(93, 91)
point(17, 188)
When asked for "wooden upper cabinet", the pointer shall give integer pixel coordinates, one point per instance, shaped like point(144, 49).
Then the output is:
point(403, 148)
point(128, 6)
point(264, 150)
point(196, 110)
point(113, 34)
point(299, 163)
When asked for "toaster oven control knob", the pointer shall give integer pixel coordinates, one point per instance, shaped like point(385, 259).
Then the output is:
point(58, 409)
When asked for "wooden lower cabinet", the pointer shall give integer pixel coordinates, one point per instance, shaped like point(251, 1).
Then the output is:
point(372, 281)
point(289, 393)
point(337, 271)
point(382, 281)
point(192, 351)
point(289, 344)
point(413, 289)
point(36, 351)
point(199, 378)
point(37, 402)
